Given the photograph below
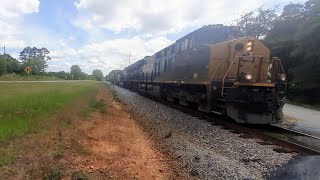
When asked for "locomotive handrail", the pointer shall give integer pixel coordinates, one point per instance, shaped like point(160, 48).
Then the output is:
point(223, 80)
point(278, 59)
point(283, 73)
point(237, 57)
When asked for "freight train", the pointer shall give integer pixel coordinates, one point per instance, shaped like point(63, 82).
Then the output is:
point(215, 70)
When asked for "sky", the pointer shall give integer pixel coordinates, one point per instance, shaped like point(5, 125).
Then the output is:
point(103, 34)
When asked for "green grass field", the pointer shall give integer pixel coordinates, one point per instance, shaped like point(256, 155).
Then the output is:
point(26, 78)
point(24, 106)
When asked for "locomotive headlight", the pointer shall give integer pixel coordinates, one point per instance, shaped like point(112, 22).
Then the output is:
point(249, 45)
point(248, 76)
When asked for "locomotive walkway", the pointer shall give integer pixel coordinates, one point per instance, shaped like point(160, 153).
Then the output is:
point(306, 120)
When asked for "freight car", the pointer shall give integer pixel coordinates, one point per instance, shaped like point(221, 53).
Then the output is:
point(217, 72)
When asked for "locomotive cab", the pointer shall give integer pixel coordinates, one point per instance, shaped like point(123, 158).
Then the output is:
point(246, 82)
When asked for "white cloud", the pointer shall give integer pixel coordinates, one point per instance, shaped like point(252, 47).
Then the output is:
point(106, 55)
point(158, 16)
point(11, 13)
point(10, 8)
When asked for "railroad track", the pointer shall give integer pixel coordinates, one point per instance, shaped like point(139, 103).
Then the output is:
point(290, 140)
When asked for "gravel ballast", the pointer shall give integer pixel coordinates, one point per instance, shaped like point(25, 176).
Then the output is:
point(206, 151)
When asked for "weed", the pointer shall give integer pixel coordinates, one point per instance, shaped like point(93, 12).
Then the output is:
point(85, 112)
point(100, 106)
point(30, 78)
point(65, 122)
point(58, 154)
point(115, 97)
point(80, 175)
point(80, 149)
point(54, 174)
point(6, 156)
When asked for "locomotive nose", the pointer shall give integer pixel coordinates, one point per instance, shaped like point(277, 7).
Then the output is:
point(247, 104)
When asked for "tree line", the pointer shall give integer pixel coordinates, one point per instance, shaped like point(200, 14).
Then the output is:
point(294, 37)
point(37, 59)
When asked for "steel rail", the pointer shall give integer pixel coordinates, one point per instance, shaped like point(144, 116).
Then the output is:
point(270, 133)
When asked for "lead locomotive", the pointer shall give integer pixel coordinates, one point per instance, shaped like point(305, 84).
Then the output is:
point(216, 71)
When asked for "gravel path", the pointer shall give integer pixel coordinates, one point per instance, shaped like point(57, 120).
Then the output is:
point(206, 151)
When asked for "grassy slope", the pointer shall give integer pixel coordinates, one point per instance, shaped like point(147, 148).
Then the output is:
point(23, 106)
point(30, 78)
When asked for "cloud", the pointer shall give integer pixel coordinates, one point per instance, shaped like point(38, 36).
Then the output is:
point(106, 55)
point(11, 14)
point(16, 8)
point(158, 17)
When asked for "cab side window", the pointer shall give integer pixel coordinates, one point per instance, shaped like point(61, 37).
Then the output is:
point(186, 44)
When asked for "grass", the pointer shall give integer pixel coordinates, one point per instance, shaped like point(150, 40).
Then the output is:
point(80, 175)
point(100, 106)
point(25, 106)
point(94, 105)
point(26, 78)
point(115, 97)
point(55, 173)
point(6, 156)
point(80, 149)
point(113, 93)
point(58, 154)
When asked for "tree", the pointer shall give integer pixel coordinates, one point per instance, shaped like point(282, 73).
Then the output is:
point(258, 23)
point(36, 58)
point(312, 8)
point(287, 23)
point(295, 39)
point(8, 64)
point(75, 72)
point(98, 74)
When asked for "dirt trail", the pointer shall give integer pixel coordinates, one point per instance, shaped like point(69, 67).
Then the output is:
point(119, 147)
point(106, 145)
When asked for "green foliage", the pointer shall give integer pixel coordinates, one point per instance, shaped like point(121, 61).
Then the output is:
point(256, 24)
point(75, 72)
point(98, 74)
point(36, 58)
point(8, 64)
point(16, 77)
point(295, 38)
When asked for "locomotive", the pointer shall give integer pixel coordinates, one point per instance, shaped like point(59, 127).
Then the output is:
point(215, 70)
